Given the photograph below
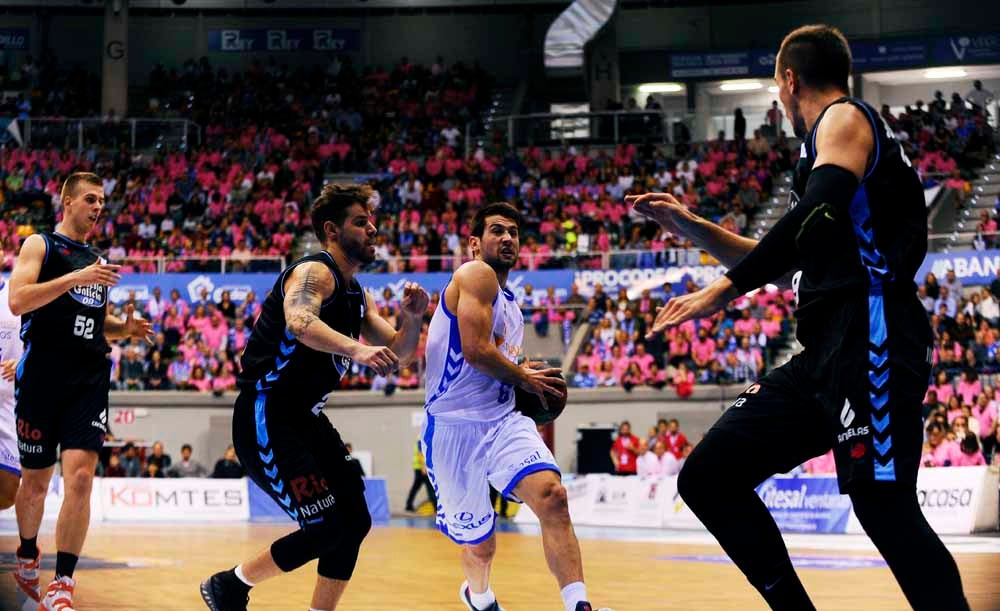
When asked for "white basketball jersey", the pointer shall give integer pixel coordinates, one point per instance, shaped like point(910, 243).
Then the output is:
point(10, 346)
point(456, 390)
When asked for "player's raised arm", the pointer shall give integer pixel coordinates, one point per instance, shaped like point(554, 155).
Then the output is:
point(844, 141)
point(27, 294)
point(477, 287)
point(403, 342)
point(306, 288)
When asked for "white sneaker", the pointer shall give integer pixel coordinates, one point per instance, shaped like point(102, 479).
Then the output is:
point(59, 596)
point(465, 594)
point(26, 577)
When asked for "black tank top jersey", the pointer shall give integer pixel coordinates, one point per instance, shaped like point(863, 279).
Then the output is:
point(274, 361)
point(72, 325)
point(878, 245)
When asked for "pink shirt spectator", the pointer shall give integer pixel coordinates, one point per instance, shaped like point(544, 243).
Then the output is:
point(203, 385)
point(821, 464)
point(975, 459)
point(226, 381)
point(213, 335)
point(968, 391)
point(944, 392)
point(645, 362)
point(703, 350)
point(986, 416)
point(619, 366)
point(946, 454)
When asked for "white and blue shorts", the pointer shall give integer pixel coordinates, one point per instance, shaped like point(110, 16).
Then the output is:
point(465, 458)
point(9, 458)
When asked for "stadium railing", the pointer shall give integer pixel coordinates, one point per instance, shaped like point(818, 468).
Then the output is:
point(83, 132)
point(608, 127)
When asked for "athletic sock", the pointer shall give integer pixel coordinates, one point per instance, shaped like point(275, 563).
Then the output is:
point(65, 564)
point(238, 572)
point(574, 593)
point(484, 600)
point(29, 548)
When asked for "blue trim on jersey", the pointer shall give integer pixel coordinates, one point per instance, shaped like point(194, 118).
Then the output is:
point(506, 293)
point(525, 472)
point(444, 304)
point(878, 333)
point(454, 360)
point(19, 372)
point(10, 469)
point(266, 454)
point(875, 134)
point(45, 239)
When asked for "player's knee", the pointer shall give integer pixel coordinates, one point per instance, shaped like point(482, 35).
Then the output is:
point(482, 553)
point(78, 483)
point(33, 490)
point(361, 524)
point(553, 501)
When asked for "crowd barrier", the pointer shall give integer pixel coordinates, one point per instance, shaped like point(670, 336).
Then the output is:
point(189, 500)
point(955, 500)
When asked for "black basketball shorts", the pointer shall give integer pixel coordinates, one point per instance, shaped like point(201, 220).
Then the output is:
point(295, 455)
point(60, 404)
point(860, 397)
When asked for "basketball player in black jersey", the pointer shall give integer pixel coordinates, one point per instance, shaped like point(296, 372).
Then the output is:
point(303, 343)
point(856, 233)
point(59, 287)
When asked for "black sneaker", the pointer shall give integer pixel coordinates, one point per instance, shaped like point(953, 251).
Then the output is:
point(225, 592)
point(466, 595)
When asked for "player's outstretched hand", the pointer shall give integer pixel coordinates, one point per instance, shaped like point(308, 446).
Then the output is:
point(137, 327)
point(380, 358)
point(8, 370)
point(662, 208)
point(545, 381)
point(106, 274)
point(415, 300)
point(700, 304)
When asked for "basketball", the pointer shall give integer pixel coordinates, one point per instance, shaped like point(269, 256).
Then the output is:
point(531, 406)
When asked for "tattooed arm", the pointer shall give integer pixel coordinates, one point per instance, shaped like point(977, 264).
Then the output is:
point(306, 288)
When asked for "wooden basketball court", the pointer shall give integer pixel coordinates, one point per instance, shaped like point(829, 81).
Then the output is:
point(407, 567)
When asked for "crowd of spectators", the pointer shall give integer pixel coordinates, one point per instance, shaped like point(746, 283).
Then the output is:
point(660, 453)
point(131, 459)
point(734, 346)
point(960, 407)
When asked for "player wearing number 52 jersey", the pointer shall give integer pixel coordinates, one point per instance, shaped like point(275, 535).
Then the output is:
point(59, 287)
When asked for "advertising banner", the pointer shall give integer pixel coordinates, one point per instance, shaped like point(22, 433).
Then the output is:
point(292, 40)
point(15, 39)
point(972, 267)
point(806, 504)
point(966, 49)
point(174, 500)
point(955, 500)
point(190, 285)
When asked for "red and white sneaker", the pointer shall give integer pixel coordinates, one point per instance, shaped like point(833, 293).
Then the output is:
point(58, 596)
point(26, 577)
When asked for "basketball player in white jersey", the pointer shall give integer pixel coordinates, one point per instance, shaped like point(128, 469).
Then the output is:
point(11, 349)
point(473, 438)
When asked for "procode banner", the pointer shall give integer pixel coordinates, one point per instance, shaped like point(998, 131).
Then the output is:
point(806, 504)
point(292, 40)
point(972, 267)
point(174, 500)
point(635, 280)
point(967, 49)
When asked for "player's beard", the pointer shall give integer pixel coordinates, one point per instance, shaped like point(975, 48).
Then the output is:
point(359, 251)
point(499, 264)
point(798, 121)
